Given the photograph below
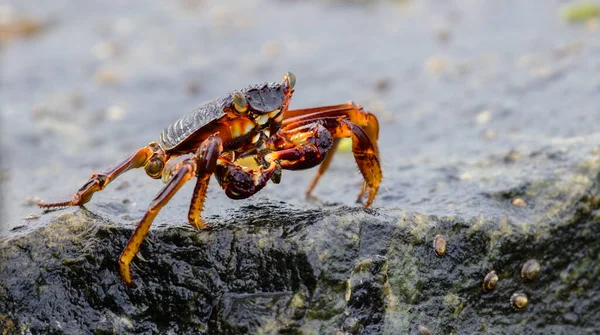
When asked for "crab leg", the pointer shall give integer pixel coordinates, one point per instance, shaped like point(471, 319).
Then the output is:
point(201, 165)
point(98, 181)
point(366, 156)
point(307, 149)
point(323, 167)
point(355, 113)
point(206, 160)
point(186, 172)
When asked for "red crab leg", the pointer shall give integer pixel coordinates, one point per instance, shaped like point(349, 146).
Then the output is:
point(308, 150)
point(98, 181)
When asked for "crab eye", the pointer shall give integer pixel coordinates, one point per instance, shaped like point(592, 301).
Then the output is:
point(291, 79)
point(239, 102)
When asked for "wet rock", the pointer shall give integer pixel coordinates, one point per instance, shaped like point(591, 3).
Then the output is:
point(287, 269)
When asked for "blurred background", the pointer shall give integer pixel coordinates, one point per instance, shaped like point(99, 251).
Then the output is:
point(83, 83)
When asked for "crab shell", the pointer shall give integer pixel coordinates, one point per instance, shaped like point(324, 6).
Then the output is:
point(261, 99)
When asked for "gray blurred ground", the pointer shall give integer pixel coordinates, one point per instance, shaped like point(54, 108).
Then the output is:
point(461, 89)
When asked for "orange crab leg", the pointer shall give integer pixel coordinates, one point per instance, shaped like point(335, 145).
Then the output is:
point(99, 181)
point(310, 148)
point(206, 160)
point(201, 165)
point(355, 114)
point(304, 111)
point(366, 156)
point(186, 172)
point(323, 167)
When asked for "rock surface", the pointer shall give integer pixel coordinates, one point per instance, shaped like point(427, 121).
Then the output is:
point(489, 138)
point(281, 269)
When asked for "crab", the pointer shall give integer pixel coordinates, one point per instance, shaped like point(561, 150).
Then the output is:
point(252, 122)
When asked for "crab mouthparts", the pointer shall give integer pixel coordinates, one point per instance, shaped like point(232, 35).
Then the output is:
point(262, 119)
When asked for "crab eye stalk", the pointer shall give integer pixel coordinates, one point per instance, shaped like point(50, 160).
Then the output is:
point(291, 80)
point(239, 102)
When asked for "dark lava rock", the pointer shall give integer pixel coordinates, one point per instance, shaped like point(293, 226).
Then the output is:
point(282, 269)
